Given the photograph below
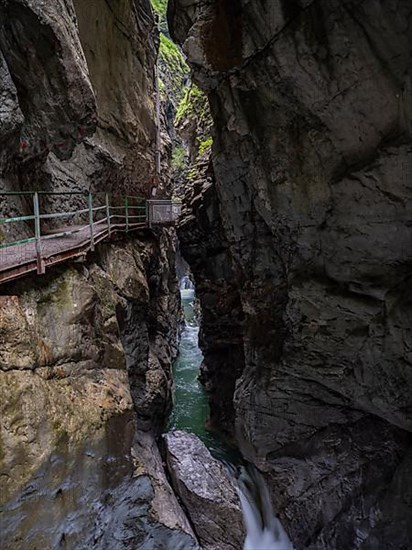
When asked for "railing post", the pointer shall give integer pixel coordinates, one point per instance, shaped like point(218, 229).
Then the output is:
point(37, 232)
point(158, 128)
point(108, 213)
point(91, 221)
point(126, 207)
point(149, 213)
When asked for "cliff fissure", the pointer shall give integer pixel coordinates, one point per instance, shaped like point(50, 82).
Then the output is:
point(311, 198)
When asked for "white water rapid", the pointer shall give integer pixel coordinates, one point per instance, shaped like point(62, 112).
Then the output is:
point(264, 530)
point(186, 284)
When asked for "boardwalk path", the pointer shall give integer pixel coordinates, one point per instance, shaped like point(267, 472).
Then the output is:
point(65, 243)
point(18, 260)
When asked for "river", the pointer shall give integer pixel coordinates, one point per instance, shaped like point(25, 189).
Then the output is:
point(191, 410)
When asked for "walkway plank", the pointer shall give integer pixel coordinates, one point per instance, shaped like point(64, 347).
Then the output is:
point(18, 260)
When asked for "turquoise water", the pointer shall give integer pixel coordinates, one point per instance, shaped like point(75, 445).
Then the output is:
point(191, 409)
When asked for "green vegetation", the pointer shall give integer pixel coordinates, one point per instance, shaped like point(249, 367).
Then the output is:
point(160, 7)
point(205, 145)
point(173, 69)
point(193, 104)
point(193, 173)
point(173, 58)
point(179, 159)
point(194, 107)
point(189, 103)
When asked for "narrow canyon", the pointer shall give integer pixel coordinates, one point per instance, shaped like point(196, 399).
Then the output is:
point(205, 272)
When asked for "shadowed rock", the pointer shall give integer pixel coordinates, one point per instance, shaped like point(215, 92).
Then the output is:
point(207, 492)
point(312, 157)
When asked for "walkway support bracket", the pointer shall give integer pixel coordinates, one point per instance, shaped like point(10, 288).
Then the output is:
point(41, 268)
point(64, 243)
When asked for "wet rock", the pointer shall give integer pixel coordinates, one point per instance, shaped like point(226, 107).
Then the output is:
point(205, 247)
point(75, 468)
point(86, 350)
point(206, 490)
point(312, 158)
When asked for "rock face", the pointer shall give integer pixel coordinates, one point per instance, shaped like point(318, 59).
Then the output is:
point(207, 492)
point(77, 100)
point(205, 247)
point(86, 350)
point(85, 380)
point(312, 157)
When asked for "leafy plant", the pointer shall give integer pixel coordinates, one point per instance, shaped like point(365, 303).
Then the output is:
point(193, 103)
point(179, 159)
point(160, 7)
point(205, 145)
point(173, 67)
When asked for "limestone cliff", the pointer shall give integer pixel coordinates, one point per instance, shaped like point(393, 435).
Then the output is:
point(85, 382)
point(312, 104)
point(77, 90)
point(86, 350)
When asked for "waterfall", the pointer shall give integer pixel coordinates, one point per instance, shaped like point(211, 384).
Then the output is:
point(264, 530)
point(186, 283)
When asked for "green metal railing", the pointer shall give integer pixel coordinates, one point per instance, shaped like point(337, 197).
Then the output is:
point(126, 212)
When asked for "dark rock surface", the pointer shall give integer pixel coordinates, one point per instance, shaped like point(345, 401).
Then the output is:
point(77, 100)
point(204, 246)
point(312, 156)
point(83, 389)
point(207, 491)
point(85, 350)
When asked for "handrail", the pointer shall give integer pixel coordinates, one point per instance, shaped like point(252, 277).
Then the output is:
point(124, 213)
point(64, 193)
point(69, 213)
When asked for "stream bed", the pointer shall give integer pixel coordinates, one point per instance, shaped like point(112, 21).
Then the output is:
point(191, 408)
point(191, 411)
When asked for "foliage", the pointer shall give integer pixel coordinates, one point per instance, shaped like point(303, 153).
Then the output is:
point(173, 68)
point(172, 55)
point(205, 145)
point(189, 103)
point(160, 7)
point(193, 103)
point(194, 107)
point(193, 174)
point(179, 159)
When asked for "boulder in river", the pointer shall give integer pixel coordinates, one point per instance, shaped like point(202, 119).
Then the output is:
point(207, 491)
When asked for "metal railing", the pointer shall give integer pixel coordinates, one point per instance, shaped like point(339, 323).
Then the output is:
point(163, 211)
point(102, 213)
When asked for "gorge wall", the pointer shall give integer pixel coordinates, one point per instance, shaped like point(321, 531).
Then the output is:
point(300, 244)
point(85, 350)
point(77, 89)
point(85, 386)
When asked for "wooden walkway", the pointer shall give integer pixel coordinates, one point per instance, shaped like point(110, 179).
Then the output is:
point(47, 248)
point(21, 259)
